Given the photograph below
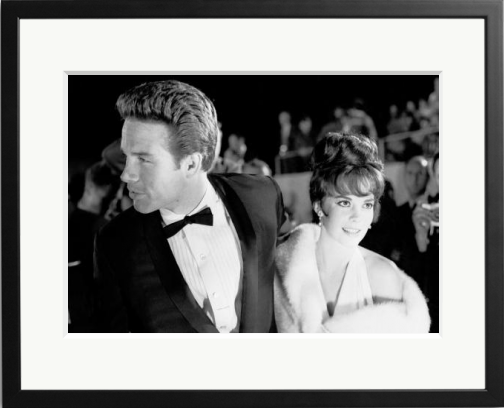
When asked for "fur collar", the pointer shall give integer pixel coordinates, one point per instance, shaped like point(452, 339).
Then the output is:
point(298, 296)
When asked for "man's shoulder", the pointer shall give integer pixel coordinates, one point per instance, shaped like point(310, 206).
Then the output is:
point(243, 181)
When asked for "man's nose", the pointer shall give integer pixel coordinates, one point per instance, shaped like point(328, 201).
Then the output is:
point(129, 174)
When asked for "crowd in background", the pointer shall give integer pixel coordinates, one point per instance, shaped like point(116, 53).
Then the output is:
point(408, 233)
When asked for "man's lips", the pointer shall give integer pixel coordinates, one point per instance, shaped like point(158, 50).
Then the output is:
point(133, 193)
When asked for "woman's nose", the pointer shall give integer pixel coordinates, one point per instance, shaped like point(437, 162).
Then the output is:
point(356, 211)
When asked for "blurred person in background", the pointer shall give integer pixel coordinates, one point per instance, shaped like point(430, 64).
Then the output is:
point(380, 237)
point(221, 164)
point(113, 156)
point(76, 180)
point(237, 148)
point(83, 224)
point(335, 125)
point(301, 138)
point(325, 281)
point(254, 165)
point(395, 123)
point(411, 116)
point(358, 121)
point(405, 253)
point(257, 166)
point(426, 221)
point(284, 119)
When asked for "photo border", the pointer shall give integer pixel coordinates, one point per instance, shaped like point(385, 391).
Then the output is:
point(489, 10)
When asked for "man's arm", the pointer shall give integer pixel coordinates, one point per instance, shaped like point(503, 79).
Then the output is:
point(280, 208)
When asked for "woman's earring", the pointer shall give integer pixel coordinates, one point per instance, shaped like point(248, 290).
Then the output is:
point(320, 215)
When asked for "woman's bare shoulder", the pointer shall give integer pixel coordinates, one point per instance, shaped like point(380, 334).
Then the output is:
point(384, 275)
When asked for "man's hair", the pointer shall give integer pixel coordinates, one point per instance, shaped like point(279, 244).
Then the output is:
point(188, 112)
point(347, 164)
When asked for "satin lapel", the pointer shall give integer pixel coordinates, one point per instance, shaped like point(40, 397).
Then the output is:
point(248, 243)
point(171, 277)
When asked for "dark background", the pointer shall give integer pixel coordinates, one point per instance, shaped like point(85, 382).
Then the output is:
point(246, 104)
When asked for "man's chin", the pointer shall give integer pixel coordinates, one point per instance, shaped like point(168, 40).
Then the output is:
point(142, 209)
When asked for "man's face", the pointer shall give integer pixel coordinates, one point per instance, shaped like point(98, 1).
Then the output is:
point(151, 172)
point(416, 178)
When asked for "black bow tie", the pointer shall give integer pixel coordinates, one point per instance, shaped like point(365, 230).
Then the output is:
point(204, 217)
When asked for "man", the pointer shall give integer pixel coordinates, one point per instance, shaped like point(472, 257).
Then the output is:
point(195, 252)
point(416, 176)
point(406, 255)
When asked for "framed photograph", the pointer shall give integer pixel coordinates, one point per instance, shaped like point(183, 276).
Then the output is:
point(63, 65)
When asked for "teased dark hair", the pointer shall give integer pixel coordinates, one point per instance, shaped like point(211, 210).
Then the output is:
point(188, 111)
point(347, 164)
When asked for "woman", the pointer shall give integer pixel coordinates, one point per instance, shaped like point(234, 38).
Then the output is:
point(325, 281)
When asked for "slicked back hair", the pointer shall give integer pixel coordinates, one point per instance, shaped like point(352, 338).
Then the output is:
point(188, 112)
point(346, 164)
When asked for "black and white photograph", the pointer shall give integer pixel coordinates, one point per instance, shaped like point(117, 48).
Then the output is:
point(254, 204)
point(275, 203)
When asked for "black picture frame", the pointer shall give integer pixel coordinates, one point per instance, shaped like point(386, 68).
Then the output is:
point(489, 10)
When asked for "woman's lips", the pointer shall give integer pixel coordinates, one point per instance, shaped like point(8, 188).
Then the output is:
point(351, 230)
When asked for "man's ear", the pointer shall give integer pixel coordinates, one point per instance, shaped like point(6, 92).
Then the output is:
point(191, 164)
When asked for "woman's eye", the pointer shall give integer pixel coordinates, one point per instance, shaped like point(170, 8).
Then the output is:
point(344, 203)
point(369, 206)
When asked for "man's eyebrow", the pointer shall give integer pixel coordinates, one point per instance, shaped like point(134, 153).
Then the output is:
point(141, 153)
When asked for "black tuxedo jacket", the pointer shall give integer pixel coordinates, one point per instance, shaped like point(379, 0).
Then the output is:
point(141, 288)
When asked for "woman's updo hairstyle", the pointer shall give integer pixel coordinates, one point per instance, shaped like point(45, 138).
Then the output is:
point(346, 164)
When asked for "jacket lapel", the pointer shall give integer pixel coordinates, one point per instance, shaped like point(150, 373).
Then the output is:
point(171, 277)
point(248, 244)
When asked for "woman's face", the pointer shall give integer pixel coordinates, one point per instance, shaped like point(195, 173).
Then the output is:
point(348, 217)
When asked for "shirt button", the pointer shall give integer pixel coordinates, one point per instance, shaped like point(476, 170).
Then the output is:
point(202, 257)
point(222, 327)
point(215, 294)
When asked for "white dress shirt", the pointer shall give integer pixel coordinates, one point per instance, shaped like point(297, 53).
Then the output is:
point(210, 260)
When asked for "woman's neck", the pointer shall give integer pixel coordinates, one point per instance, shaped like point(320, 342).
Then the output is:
point(332, 257)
